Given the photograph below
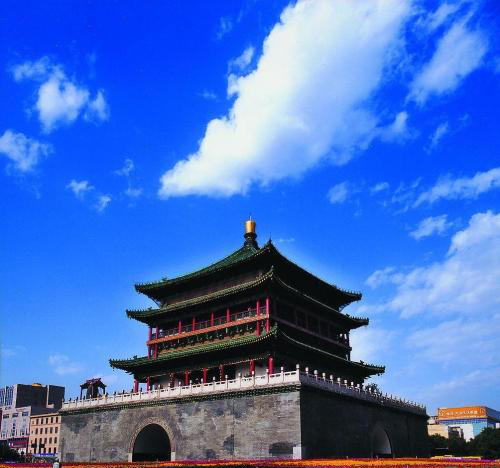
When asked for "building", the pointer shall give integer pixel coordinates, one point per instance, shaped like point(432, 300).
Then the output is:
point(250, 358)
point(434, 428)
point(18, 403)
point(44, 434)
point(468, 421)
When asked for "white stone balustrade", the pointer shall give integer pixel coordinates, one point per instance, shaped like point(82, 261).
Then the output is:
point(282, 378)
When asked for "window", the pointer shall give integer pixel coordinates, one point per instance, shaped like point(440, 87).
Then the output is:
point(26, 413)
point(51, 430)
point(15, 415)
point(57, 418)
point(36, 431)
point(5, 416)
point(313, 324)
point(55, 440)
point(50, 440)
point(46, 429)
point(56, 430)
point(51, 420)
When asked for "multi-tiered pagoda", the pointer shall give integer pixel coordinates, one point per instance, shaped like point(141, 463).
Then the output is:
point(247, 358)
point(251, 313)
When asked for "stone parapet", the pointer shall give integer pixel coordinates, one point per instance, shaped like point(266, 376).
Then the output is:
point(246, 383)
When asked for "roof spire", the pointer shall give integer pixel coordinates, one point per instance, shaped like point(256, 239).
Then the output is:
point(250, 234)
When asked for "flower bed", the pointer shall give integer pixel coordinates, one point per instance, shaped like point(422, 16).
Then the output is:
point(326, 463)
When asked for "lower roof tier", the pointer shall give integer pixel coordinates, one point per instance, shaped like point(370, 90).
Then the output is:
point(242, 349)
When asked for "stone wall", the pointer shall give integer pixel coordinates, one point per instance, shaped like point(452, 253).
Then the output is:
point(237, 426)
point(336, 426)
point(290, 422)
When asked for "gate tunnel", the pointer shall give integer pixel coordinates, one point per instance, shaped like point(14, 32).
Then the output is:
point(151, 444)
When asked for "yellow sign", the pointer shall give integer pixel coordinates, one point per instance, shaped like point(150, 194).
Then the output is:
point(466, 412)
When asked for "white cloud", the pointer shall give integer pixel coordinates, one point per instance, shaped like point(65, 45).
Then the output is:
point(439, 133)
point(308, 99)
point(98, 108)
point(431, 225)
point(208, 95)
point(62, 365)
point(24, 152)
point(241, 63)
point(381, 186)
point(102, 202)
point(369, 343)
point(398, 130)
point(442, 14)
point(128, 167)
point(467, 281)
point(133, 192)
point(225, 27)
point(60, 101)
point(12, 351)
point(464, 187)
point(79, 188)
point(339, 193)
point(459, 52)
point(380, 277)
point(470, 340)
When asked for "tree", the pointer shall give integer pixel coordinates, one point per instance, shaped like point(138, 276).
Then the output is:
point(457, 445)
point(438, 444)
point(486, 444)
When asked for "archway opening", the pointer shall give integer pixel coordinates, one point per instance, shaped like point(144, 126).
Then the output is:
point(151, 444)
point(381, 444)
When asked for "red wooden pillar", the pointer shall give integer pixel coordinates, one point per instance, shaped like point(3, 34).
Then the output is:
point(156, 351)
point(227, 315)
point(267, 314)
point(204, 375)
point(221, 372)
point(194, 323)
point(252, 366)
point(148, 384)
point(257, 325)
point(180, 326)
point(186, 378)
point(136, 385)
point(212, 319)
point(270, 365)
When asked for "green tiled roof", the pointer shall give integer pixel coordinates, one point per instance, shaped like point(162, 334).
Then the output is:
point(126, 364)
point(371, 367)
point(247, 251)
point(146, 314)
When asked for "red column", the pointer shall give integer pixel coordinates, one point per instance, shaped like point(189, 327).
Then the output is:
point(136, 385)
point(271, 365)
point(252, 366)
point(156, 351)
point(212, 319)
point(186, 378)
point(221, 372)
point(204, 375)
point(148, 384)
point(227, 315)
point(180, 326)
point(150, 333)
point(267, 314)
point(194, 323)
point(257, 325)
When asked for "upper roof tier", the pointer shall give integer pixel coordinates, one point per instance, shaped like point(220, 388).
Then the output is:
point(250, 258)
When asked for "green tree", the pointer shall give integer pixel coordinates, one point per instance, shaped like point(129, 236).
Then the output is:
point(438, 445)
point(457, 445)
point(486, 444)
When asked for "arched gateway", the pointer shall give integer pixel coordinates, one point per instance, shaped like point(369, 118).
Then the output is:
point(381, 444)
point(151, 443)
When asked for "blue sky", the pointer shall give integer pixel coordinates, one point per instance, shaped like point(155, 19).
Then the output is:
point(362, 136)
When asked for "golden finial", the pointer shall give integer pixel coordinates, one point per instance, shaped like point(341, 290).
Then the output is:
point(250, 226)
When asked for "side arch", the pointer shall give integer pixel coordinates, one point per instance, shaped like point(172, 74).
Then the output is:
point(147, 422)
point(381, 443)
